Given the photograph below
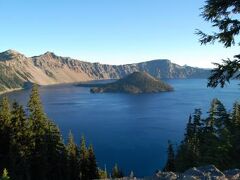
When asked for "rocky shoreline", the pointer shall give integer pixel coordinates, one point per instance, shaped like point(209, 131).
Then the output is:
point(10, 90)
point(209, 172)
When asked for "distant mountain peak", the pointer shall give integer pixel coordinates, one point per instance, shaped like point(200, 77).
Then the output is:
point(49, 54)
point(166, 60)
point(10, 54)
point(11, 51)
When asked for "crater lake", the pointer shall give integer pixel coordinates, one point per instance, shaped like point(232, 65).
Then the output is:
point(131, 130)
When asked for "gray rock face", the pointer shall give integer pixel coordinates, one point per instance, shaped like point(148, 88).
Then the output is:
point(209, 172)
point(233, 174)
point(193, 172)
point(166, 176)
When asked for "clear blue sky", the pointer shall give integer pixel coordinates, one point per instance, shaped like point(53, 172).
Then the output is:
point(109, 31)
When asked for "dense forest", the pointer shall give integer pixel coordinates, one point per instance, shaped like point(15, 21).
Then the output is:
point(31, 146)
point(211, 140)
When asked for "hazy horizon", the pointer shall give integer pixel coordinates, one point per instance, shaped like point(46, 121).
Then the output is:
point(119, 32)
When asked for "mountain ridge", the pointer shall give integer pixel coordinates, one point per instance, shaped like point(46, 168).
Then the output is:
point(47, 69)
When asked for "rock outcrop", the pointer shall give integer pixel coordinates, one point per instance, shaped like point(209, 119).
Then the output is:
point(16, 70)
point(209, 172)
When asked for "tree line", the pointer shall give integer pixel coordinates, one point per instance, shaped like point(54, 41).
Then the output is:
point(212, 140)
point(31, 146)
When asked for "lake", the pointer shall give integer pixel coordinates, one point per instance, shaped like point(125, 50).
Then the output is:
point(127, 129)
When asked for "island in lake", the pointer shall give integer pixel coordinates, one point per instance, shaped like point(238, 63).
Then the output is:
point(137, 82)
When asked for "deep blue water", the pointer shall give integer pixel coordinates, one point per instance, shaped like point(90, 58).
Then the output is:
point(131, 130)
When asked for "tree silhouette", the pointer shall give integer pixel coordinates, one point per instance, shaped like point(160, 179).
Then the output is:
point(224, 16)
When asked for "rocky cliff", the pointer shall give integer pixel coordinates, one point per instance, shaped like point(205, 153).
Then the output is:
point(16, 70)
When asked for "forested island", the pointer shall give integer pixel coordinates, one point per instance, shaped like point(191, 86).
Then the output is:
point(137, 82)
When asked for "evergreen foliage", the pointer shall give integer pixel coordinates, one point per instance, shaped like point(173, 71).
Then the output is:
point(211, 140)
point(170, 165)
point(92, 164)
point(188, 151)
point(5, 133)
point(73, 161)
point(5, 175)
point(38, 124)
point(21, 144)
point(32, 146)
point(224, 17)
point(56, 153)
point(83, 159)
point(131, 176)
point(235, 132)
point(116, 172)
point(102, 174)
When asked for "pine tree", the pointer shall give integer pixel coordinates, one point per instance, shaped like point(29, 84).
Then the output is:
point(188, 153)
point(5, 175)
point(170, 165)
point(131, 176)
point(73, 162)
point(235, 129)
point(32, 146)
point(56, 153)
point(209, 141)
point(218, 115)
point(20, 147)
point(116, 172)
point(182, 161)
point(38, 124)
point(196, 138)
point(222, 145)
point(189, 130)
point(92, 164)
point(84, 169)
point(224, 17)
point(102, 174)
point(5, 133)
point(236, 115)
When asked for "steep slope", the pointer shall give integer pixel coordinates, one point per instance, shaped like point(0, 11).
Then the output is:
point(137, 82)
point(17, 70)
